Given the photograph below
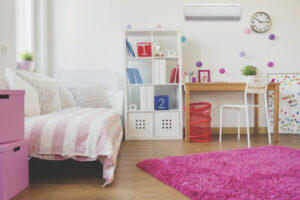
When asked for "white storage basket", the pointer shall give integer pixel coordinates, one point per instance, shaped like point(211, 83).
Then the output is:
point(167, 124)
point(140, 125)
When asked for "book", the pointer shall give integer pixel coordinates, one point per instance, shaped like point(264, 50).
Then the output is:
point(130, 75)
point(139, 76)
point(149, 98)
point(134, 71)
point(176, 80)
point(134, 76)
point(162, 70)
point(130, 51)
point(156, 67)
point(143, 98)
point(172, 76)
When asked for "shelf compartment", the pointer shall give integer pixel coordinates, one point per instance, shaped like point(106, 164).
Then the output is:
point(145, 68)
point(172, 91)
point(168, 42)
point(161, 75)
point(141, 96)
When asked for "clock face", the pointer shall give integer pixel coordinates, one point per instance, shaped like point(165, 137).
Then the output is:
point(260, 22)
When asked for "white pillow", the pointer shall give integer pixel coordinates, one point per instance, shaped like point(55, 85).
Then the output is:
point(115, 98)
point(48, 91)
point(66, 97)
point(96, 97)
point(14, 82)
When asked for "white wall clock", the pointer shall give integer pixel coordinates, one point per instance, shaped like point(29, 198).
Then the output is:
point(260, 22)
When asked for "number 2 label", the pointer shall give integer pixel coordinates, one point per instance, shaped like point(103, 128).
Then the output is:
point(161, 103)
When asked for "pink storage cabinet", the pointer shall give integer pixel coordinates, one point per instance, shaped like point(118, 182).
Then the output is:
point(13, 168)
point(12, 115)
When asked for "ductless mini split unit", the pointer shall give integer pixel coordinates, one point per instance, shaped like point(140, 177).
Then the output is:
point(212, 11)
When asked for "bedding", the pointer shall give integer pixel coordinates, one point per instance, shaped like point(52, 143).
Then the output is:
point(96, 97)
point(83, 134)
point(62, 95)
point(31, 99)
point(48, 91)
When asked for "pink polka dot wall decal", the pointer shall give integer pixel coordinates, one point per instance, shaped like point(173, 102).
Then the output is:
point(222, 71)
point(247, 31)
point(270, 64)
point(159, 26)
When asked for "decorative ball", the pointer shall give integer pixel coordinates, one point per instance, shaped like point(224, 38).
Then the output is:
point(128, 26)
point(247, 31)
point(222, 71)
point(159, 26)
point(183, 39)
point(270, 64)
point(242, 54)
point(199, 64)
point(271, 36)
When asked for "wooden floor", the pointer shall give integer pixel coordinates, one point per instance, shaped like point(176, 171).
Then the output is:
point(82, 181)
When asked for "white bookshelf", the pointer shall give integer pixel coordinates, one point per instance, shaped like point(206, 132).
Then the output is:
point(151, 124)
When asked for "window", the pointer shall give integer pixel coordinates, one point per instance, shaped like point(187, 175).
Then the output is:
point(24, 30)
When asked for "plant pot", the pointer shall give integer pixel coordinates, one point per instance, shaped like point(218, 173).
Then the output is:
point(248, 77)
point(24, 65)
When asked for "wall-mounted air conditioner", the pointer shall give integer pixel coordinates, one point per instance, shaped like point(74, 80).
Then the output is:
point(212, 11)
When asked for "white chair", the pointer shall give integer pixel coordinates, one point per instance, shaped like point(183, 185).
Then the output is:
point(253, 86)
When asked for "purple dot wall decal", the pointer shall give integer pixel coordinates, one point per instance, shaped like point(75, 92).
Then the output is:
point(242, 54)
point(199, 64)
point(270, 64)
point(128, 26)
point(222, 71)
point(271, 36)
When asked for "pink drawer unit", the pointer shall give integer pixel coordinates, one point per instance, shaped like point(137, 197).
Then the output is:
point(13, 168)
point(11, 115)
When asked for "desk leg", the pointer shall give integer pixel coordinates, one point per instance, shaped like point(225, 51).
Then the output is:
point(276, 113)
point(187, 113)
point(256, 114)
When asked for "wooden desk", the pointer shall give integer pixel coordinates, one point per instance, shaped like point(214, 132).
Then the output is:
point(190, 87)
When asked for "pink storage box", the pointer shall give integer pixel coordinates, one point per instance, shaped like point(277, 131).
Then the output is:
point(11, 115)
point(13, 168)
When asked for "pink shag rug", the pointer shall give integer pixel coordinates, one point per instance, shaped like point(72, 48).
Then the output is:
point(270, 172)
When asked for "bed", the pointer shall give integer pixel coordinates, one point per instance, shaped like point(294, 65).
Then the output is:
point(82, 134)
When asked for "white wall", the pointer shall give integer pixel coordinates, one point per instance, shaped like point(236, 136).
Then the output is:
point(89, 34)
point(7, 33)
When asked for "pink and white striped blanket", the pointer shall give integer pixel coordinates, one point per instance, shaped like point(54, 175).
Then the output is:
point(83, 134)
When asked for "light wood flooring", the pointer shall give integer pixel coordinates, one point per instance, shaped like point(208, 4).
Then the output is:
point(71, 180)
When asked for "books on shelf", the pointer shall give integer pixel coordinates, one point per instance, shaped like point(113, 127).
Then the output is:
point(134, 76)
point(159, 68)
point(146, 98)
point(129, 48)
point(174, 77)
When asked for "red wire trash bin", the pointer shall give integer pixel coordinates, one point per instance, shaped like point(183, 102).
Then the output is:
point(200, 122)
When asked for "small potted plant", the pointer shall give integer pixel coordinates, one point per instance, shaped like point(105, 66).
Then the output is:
point(26, 60)
point(249, 71)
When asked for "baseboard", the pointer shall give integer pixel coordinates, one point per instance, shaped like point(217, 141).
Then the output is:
point(233, 130)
